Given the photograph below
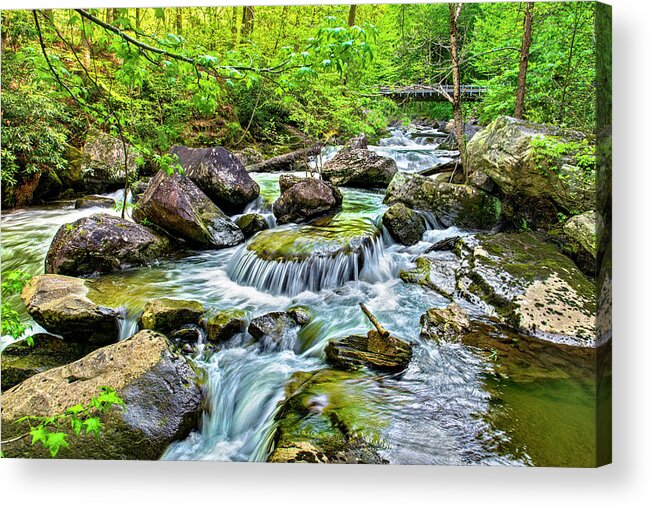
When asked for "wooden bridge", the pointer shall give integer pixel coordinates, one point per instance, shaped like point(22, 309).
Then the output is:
point(431, 93)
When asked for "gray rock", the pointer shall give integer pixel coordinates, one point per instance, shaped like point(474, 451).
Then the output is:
point(94, 201)
point(404, 224)
point(165, 314)
point(305, 200)
point(362, 168)
point(373, 350)
point(251, 223)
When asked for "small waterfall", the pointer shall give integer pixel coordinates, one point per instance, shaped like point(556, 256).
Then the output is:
point(313, 274)
point(127, 323)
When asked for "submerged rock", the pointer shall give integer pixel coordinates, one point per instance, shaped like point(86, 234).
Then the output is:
point(360, 168)
point(167, 314)
point(21, 360)
point(531, 285)
point(220, 175)
point(224, 325)
point(329, 417)
point(447, 324)
point(175, 204)
point(251, 223)
point(103, 243)
point(404, 224)
point(60, 304)
point(94, 201)
point(161, 391)
point(451, 203)
point(275, 330)
point(373, 350)
point(305, 200)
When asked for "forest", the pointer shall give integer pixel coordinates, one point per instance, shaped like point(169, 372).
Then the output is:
point(319, 233)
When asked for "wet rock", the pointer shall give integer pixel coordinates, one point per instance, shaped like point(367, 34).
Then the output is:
point(306, 200)
point(445, 244)
point(447, 324)
point(329, 417)
point(138, 188)
point(103, 243)
point(220, 175)
point(481, 181)
point(175, 204)
point(161, 391)
point(404, 224)
point(504, 151)
point(167, 314)
point(436, 273)
point(359, 168)
point(453, 204)
point(188, 333)
point(274, 330)
point(375, 351)
point(357, 143)
point(301, 314)
point(21, 360)
point(94, 201)
point(287, 181)
point(580, 233)
point(224, 325)
point(532, 286)
point(60, 304)
point(251, 224)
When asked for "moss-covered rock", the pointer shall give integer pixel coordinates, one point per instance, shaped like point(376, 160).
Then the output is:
point(251, 224)
point(60, 304)
point(329, 417)
point(103, 243)
point(373, 351)
point(451, 203)
point(436, 273)
point(276, 330)
point(165, 314)
point(404, 224)
point(21, 360)
point(224, 325)
point(580, 235)
point(161, 390)
point(94, 201)
point(447, 324)
point(531, 285)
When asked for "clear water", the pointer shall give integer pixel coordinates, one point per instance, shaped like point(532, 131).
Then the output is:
point(442, 411)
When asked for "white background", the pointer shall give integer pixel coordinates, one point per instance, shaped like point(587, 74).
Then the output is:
point(625, 483)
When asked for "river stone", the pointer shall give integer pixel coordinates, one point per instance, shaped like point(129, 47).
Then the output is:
point(102, 162)
point(161, 391)
point(305, 200)
point(186, 334)
point(21, 360)
point(251, 223)
point(178, 206)
point(103, 243)
point(275, 329)
point(404, 224)
point(329, 416)
point(224, 325)
point(373, 350)
point(532, 286)
point(437, 273)
point(94, 201)
point(360, 168)
point(357, 143)
point(220, 175)
point(60, 304)
point(451, 203)
point(580, 233)
point(288, 180)
point(503, 151)
point(447, 324)
point(165, 314)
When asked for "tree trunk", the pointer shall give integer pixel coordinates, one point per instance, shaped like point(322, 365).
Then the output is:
point(566, 78)
point(248, 14)
point(459, 125)
point(179, 21)
point(234, 26)
point(351, 15)
point(6, 23)
point(524, 61)
point(138, 19)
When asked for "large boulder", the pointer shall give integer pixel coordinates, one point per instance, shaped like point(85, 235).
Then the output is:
point(452, 204)
point(511, 152)
point(175, 204)
point(329, 417)
point(94, 201)
point(305, 200)
point(61, 305)
point(161, 390)
point(22, 360)
point(166, 315)
point(358, 167)
point(382, 353)
point(102, 163)
point(288, 180)
point(103, 243)
point(531, 285)
point(580, 235)
point(220, 174)
point(404, 224)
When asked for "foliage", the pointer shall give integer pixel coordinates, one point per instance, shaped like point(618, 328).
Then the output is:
point(12, 284)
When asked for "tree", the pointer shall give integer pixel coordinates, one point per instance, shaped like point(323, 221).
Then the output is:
point(459, 126)
point(351, 15)
point(248, 15)
point(524, 61)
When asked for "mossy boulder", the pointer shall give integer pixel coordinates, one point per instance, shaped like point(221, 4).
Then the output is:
point(179, 207)
point(165, 314)
point(21, 360)
point(288, 180)
point(451, 203)
point(531, 285)
point(224, 325)
point(251, 224)
point(220, 175)
point(102, 162)
point(404, 224)
point(436, 273)
point(60, 304)
point(94, 201)
point(103, 243)
point(161, 390)
point(382, 353)
point(359, 167)
point(306, 200)
point(580, 235)
point(447, 324)
point(329, 417)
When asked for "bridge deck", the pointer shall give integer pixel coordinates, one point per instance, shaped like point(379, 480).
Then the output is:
point(433, 93)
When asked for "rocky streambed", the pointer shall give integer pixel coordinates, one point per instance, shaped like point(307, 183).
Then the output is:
point(256, 314)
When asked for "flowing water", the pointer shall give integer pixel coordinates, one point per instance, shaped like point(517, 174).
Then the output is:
point(446, 409)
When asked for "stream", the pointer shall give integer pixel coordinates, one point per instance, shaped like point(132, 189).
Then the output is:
point(447, 409)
